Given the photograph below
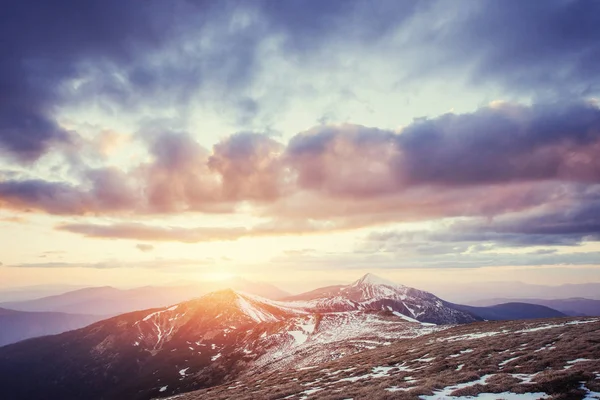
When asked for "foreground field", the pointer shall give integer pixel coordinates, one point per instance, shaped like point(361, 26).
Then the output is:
point(549, 359)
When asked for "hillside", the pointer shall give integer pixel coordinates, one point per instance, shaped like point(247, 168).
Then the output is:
point(19, 325)
point(512, 310)
point(575, 306)
point(552, 358)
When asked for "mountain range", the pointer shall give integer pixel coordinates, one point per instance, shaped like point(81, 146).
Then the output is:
point(19, 325)
point(219, 337)
point(576, 306)
point(471, 292)
point(107, 300)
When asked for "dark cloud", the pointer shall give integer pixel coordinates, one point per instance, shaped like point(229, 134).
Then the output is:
point(570, 221)
point(548, 48)
point(504, 143)
point(250, 167)
point(158, 54)
point(48, 43)
point(50, 197)
point(498, 144)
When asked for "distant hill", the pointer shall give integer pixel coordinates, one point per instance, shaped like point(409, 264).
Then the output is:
point(107, 300)
point(19, 325)
point(22, 293)
point(512, 291)
point(510, 311)
point(574, 306)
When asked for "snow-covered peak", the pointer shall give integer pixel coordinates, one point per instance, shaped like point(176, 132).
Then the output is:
point(374, 280)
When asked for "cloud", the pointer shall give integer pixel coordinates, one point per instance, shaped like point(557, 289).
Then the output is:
point(420, 261)
point(144, 247)
point(49, 45)
point(250, 167)
point(51, 197)
point(536, 161)
point(154, 233)
point(157, 263)
point(570, 221)
point(117, 57)
point(546, 48)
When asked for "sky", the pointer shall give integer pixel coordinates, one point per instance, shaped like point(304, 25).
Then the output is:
point(299, 142)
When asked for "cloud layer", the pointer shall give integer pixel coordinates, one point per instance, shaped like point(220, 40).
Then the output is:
point(524, 172)
point(534, 169)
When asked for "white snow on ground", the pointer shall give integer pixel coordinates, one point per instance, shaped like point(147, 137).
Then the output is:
point(404, 317)
point(216, 357)
point(445, 393)
point(376, 372)
point(422, 359)
point(308, 327)
point(308, 392)
point(397, 389)
point(460, 367)
point(182, 371)
point(480, 335)
point(550, 326)
point(546, 347)
point(343, 327)
point(540, 328)
point(504, 396)
point(307, 368)
point(162, 389)
point(503, 363)
point(579, 322)
point(379, 372)
point(578, 360)
point(468, 336)
point(253, 312)
point(460, 353)
point(147, 317)
point(589, 395)
point(299, 337)
point(573, 362)
point(338, 371)
point(525, 378)
point(372, 279)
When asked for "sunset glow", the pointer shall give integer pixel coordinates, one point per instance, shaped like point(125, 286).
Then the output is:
point(298, 144)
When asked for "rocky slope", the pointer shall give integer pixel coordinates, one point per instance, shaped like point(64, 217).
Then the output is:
point(541, 359)
point(374, 293)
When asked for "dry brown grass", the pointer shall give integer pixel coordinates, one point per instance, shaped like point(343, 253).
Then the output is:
point(339, 379)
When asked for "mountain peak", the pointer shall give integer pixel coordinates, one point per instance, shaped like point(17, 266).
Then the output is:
point(372, 279)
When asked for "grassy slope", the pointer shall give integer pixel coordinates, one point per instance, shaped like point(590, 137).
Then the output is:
point(427, 364)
